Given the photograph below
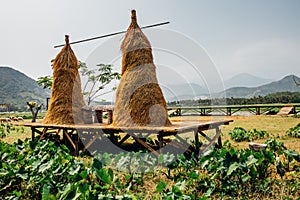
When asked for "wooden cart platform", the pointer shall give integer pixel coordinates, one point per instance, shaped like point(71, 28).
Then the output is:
point(72, 134)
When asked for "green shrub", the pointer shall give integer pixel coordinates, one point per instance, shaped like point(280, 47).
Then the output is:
point(294, 131)
point(239, 134)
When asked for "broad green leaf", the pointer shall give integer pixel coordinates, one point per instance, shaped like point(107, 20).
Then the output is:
point(97, 164)
point(232, 168)
point(251, 160)
point(74, 171)
point(84, 174)
point(161, 186)
point(45, 166)
point(245, 178)
point(46, 192)
point(103, 176)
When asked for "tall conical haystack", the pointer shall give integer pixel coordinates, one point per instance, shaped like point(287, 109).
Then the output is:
point(139, 98)
point(66, 98)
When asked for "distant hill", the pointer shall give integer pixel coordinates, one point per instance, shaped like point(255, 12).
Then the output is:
point(245, 80)
point(283, 85)
point(16, 89)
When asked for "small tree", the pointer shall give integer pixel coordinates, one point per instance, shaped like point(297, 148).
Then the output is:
point(97, 79)
point(34, 108)
point(45, 81)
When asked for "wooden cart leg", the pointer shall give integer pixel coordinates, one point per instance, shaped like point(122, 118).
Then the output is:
point(160, 143)
point(137, 139)
point(219, 143)
point(123, 139)
point(197, 143)
point(43, 133)
point(32, 133)
point(66, 134)
point(94, 138)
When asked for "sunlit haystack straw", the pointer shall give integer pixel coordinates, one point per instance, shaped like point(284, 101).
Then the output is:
point(66, 98)
point(139, 98)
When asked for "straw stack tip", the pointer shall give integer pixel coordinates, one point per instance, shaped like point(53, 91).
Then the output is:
point(133, 15)
point(67, 39)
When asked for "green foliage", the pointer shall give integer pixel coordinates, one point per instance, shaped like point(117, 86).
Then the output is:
point(97, 80)
point(294, 131)
point(6, 129)
point(239, 134)
point(237, 173)
point(43, 170)
point(45, 81)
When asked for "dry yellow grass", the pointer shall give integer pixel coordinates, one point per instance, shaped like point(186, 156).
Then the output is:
point(275, 125)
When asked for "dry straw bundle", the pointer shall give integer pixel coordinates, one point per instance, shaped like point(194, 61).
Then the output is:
point(66, 98)
point(139, 98)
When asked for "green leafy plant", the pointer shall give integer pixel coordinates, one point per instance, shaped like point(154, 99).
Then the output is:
point(294, 131)
point(239, 134)
point(6, 129)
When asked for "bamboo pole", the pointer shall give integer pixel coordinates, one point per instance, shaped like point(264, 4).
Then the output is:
point(111, 34)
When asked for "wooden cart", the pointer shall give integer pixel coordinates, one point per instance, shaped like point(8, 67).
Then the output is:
point(72, 134)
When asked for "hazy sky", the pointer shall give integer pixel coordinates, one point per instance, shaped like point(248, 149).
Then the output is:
point(260, 37)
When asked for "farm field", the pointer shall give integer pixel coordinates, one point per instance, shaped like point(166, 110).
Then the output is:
point(275, 125)
point(233, 172)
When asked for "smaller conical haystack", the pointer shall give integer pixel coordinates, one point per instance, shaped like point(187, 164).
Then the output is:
point(66, 98)
point(139, 98)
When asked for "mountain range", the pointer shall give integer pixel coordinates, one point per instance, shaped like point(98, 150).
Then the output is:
point(283, 85)
point(240, 86)
point(245, 80)
point(17, 88)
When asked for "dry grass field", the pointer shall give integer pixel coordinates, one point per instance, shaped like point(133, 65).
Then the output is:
point(275, 125)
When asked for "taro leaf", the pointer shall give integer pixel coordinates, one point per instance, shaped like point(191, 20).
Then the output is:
point(232, 168)
point(111, 173)
point(251, 160)
point(177, 192)
point(128, 177)
point(194, 175)
point(66, 190)
point(279, 168)
point(245, 178)
point(45, 166)
point(84, 174)
point(204, 164)
point(46, 192)
point(97, 164)
point(180, 185)
point(160, 158)
point(22, 176)
point(103, 176)
point(74, 171)
point(291, 153)
point(17, 193)
point(161, 186)
point(36, 164)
